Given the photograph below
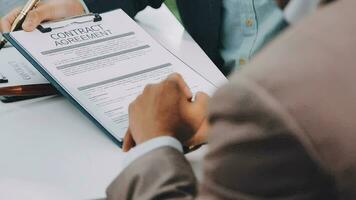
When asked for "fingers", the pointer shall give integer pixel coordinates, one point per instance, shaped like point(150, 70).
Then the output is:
point(148, 89)
point(34, 18)
point(201, 98)
point(182, 84)
point(7, 21)
point(128, 141)
point(50, 10)
point(196, 111)
point(200, 104)
point(201, 123)
point(175, 80)
point(201, 136)
point(201, 101)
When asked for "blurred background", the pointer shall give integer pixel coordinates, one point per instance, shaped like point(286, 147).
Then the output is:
point(7, 5)
point(171, 4)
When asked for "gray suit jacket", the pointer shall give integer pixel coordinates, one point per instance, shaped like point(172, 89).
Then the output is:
point(283, 128)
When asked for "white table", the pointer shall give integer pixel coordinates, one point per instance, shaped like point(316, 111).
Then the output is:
point(48, 142)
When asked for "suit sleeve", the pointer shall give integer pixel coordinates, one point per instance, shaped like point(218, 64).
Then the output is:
point(254, 151)
point(254, 154)
point(163, 173)
point(131, 7)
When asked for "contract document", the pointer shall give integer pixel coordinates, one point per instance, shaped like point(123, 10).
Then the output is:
point(102, 64)
point(18, 70)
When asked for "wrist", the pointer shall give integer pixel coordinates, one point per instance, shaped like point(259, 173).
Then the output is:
point(148, 146)
point(154, 135)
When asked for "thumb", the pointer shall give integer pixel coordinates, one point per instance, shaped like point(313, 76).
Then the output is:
point(183, 87)
point(128, 141)
point(195, 112)
point(200, 102)
point(7, 21)
point(51, 10)
point(42, 13)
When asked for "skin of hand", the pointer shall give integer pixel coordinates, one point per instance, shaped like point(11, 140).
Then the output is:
point(50, 10)
point(166, 109)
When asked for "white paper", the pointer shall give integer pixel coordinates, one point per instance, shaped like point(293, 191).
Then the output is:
point(105, 65)
point(17, 69)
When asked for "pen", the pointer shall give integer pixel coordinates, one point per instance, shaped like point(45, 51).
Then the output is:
point(11, 99)
point(20, 19)
point(28, 90)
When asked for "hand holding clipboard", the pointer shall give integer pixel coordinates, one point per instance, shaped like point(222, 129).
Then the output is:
point(23, 90)
point(34, 13)
point(17, 23)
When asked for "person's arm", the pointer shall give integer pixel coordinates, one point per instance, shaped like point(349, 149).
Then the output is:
point(131, 7)
point(139, 151)
point(255, 151)
point(253, 154)
point(156, 167)
point(162, 173)
point(59, 9)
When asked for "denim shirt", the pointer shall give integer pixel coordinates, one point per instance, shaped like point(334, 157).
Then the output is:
point(248, 25)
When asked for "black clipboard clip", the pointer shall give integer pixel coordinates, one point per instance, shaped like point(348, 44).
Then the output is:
point(97, 18)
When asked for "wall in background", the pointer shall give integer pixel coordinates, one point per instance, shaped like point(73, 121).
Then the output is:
point(8, 5)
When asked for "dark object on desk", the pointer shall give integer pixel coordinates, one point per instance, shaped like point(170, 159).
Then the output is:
point(2, 44)
point(3, 79)
point(12, 99)
point(97, 18)
point(28, 90)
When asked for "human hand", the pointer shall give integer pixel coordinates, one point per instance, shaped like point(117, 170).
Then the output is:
point(200, 137)
point(196, 114)
point(51, 10)
point(166, 109)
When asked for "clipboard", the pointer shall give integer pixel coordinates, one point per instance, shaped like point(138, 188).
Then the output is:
point(97, 18)
point(126, 61)
point(42, 29)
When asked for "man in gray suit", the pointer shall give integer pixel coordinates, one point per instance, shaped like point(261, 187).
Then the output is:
point(283, 128)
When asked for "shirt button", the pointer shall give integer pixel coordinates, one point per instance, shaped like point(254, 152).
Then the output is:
point(249, 22)
point(242, 61)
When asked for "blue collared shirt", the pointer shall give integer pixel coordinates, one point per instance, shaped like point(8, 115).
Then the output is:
point(248, 25)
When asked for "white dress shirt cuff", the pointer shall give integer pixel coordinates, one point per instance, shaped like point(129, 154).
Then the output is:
point(150, 145)
point(84, 6)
